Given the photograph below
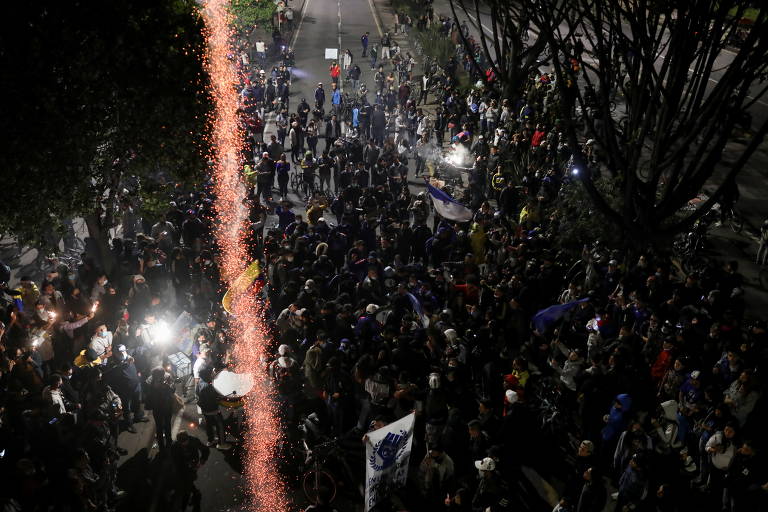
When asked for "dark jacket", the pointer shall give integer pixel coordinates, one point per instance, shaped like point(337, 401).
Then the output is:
point(160, 399)
point(207, 398)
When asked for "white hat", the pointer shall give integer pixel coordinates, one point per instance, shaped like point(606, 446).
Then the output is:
point(511, 396)
point(451, 335)
point(695, 374)
point(121, 348)
point(487, 464)
point(371, 308)
point(283, 349)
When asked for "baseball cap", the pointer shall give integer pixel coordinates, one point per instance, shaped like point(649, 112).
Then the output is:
point(371, 308)
point(487, 464)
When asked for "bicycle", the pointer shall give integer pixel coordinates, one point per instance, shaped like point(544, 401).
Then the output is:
point(317, 480)
point(735, 219)
point(54, 262)
point(418, 48)
point(301, 186)
point(295, 181)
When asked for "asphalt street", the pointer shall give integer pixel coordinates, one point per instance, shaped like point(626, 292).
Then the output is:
point(328, 24)
point(322, 24)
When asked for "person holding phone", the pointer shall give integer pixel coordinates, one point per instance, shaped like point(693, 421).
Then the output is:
point(101, 343)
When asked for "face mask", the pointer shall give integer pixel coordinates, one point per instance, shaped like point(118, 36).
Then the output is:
point(103, 334)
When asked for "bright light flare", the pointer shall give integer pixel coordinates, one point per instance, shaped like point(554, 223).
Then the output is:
point(161, 333)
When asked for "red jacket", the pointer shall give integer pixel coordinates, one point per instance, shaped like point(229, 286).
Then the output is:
point(538, 136)
point(663, 363)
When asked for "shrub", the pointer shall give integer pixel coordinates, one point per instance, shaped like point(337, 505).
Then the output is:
point(436, 45)
point(248, 13)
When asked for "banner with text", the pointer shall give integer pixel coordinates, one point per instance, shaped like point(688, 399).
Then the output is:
point(386, 454)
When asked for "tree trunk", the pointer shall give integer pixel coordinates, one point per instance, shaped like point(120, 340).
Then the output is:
point(100, 236)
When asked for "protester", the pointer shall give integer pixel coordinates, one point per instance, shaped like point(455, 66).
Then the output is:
point(409, 300)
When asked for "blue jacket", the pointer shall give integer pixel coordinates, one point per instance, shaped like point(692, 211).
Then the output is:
point(617, 418)
point(285, 216)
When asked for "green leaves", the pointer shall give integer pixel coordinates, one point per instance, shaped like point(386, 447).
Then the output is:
point(248, 13)
point(90, 88)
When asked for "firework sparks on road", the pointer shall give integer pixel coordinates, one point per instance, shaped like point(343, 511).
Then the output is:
point(250, 335)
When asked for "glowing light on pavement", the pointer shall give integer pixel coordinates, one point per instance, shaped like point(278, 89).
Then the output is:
point(262, 433)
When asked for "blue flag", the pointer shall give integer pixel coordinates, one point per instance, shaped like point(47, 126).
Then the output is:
point(547, 317)
point(447, 207)
point(419, 309)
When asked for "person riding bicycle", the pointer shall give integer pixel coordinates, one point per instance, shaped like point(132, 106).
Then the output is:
point(728, 198)
point(308, 166)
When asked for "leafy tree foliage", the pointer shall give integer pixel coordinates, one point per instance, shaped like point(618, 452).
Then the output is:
point(96, 93)
point(248, 13)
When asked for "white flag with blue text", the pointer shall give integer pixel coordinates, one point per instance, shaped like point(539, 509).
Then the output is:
point(387, 453)
point(447, 207)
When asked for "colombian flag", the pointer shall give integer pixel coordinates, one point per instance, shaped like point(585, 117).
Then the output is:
point(242, 283)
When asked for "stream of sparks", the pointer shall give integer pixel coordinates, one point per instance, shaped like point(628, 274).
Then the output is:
point(265, 487)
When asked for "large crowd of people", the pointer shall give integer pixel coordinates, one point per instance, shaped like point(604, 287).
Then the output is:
point(646, 382)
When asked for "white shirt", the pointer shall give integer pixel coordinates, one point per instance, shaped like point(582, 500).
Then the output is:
point(69, 327)
point(721, 459)
point(100, 344)
point(53, 398)
point(200, 363)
